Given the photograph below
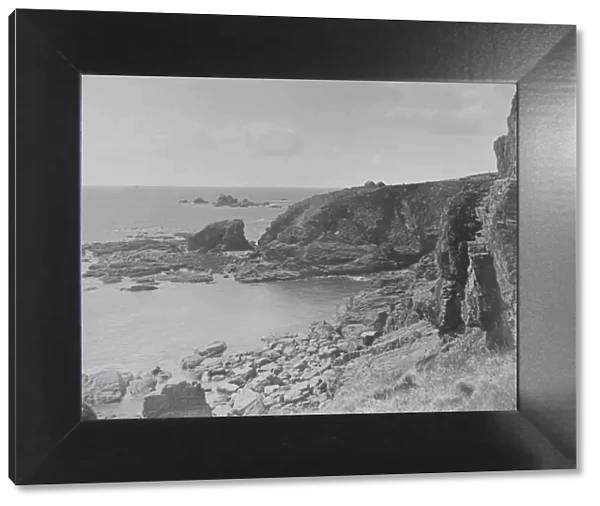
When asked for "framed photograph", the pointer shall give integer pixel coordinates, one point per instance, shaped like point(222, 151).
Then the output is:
point(249, 247)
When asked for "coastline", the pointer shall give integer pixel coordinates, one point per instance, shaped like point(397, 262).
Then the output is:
point(434, 331)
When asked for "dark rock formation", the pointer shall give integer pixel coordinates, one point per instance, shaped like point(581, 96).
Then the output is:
point(184, 201)
point(352, 231)
point(227, 235)
point(150, 261)
point(224, 200)
point(183, 399)
point(140, 288)
point(369, 337)
point(200, 200)
point(370, 184)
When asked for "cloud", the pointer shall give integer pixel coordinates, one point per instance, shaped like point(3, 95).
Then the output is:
point(265, 140)
point(469, 110)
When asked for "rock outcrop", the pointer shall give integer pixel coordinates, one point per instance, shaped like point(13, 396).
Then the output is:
point(226, 235)
point(231, 201)
point(107, 386)
point(151, 260)
point(353, 231)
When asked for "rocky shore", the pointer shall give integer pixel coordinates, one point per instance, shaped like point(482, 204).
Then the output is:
point(441, 257)
point(290, 374)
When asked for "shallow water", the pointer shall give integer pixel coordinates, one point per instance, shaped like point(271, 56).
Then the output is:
point(137, 331)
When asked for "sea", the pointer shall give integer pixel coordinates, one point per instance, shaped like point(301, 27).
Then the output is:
point(138, 331)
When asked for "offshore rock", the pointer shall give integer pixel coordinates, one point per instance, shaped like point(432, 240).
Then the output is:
point(227, 235)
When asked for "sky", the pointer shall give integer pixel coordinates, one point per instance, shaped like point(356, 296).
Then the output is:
point(150, 131)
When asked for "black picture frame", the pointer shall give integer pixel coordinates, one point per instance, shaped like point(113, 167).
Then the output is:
point(51, 50)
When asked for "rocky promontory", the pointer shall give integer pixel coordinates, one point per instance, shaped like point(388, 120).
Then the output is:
point(361, 230)
point(179, 258)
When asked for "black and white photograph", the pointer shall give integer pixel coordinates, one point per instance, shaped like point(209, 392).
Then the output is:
point(276, 247)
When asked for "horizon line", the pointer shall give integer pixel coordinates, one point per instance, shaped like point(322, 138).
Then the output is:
point(283, 187)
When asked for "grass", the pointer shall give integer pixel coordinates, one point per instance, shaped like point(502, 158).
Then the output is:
point(421, 377)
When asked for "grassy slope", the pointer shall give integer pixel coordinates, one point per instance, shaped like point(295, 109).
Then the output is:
point(420, 377)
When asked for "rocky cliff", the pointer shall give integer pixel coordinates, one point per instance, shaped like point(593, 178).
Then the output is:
point(354, 231)
point(469, 279)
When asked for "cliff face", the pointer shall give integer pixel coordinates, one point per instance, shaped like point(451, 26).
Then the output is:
point(505, 146)
point(470, 277)
point(354, 231)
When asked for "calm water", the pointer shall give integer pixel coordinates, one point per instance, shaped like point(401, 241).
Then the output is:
point(113, 213)
point(137, 331)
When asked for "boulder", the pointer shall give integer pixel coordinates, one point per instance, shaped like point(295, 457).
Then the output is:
point(214, 349)
point(243, 400)
point(182, 399)
point(270, 389)
point(323, 330)
point(191, 362)
point(213, 363)
point(370, 336)
point(227, 235)
point(264, 379)
point(223, 410)
point(380, 321)
point(227, 388)
point(107, 386)
point(142, 384)
point(297, 393)
point(256, 408)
